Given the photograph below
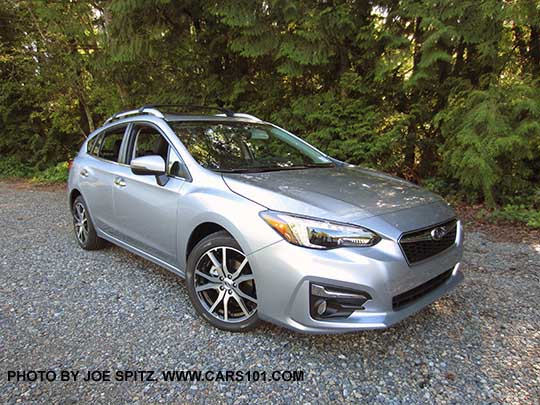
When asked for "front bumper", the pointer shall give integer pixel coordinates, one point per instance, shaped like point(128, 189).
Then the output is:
point(284, 273)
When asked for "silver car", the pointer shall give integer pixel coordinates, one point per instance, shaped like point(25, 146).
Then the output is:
point(262, 225)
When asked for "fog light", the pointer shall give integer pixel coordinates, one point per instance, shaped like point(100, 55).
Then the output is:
point(321, 307)
point(335, 302)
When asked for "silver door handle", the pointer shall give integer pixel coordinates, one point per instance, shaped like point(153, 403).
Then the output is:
point(84, 173)
point(119, 181)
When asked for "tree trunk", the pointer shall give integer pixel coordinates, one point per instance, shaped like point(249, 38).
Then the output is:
point(460, 52)
point(471, 72)
point(534, 46)
point(519, 41)
point(410, 140)
point(122, 92)
point(87, 113)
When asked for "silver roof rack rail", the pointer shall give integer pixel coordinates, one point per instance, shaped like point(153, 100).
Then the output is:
point(152, 110)
point(243, 115)
point(223, 110)
point(142, 110)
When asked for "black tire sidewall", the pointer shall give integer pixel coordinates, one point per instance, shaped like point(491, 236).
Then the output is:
point(209, 242)
point(93, 242)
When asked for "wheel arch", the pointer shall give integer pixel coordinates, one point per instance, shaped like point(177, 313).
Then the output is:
point(205, 224)
point(200, 232)
point(73, 194)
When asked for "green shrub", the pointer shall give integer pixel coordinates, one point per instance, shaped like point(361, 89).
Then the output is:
point(54, 174)
point(518, 213)
point(10, 167)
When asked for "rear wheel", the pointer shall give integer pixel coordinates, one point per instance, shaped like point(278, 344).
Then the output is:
point(221, 284)
point(84, 228)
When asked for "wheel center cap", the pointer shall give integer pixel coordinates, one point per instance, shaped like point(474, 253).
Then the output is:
point(228, 282)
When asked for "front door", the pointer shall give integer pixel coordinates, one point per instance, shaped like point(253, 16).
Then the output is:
point(145, 212)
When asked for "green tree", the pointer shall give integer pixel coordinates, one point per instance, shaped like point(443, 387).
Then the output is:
point(426, 89)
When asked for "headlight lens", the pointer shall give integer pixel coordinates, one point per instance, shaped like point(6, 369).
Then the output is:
point(318, 234)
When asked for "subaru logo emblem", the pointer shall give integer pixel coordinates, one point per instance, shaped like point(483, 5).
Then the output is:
point(438, 233)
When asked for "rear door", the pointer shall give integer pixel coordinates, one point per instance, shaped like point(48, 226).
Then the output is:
point(97, 174)
point(145, 212)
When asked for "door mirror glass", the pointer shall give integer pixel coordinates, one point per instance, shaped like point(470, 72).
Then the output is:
point(148, 165)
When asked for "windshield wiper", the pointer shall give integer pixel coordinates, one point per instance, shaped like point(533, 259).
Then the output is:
point(262, 169)
point(250, 169)
point(243, 170)
point(329, 164)
point(307, 166)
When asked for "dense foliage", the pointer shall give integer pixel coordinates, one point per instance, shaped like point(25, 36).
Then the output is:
point(441, 92)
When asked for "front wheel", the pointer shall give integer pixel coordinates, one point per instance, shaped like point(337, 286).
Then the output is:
point(221, 285)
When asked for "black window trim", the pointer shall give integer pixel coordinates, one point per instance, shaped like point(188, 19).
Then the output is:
point(96, 139)
point(130, 144)
point(101, 134)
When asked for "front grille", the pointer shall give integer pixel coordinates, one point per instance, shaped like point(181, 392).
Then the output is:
point(420, 245)
point(403, 299)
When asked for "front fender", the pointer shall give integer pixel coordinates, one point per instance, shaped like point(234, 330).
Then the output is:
point(236, 214)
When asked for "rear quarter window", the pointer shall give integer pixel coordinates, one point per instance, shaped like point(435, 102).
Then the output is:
point(93, 145)
point(107, 144)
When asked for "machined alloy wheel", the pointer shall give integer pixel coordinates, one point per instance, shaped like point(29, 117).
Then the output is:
point(225, 285)
point(80, 220)
point(221, 283)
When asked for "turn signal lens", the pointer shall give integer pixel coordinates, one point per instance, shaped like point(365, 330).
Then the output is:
point(280, 226)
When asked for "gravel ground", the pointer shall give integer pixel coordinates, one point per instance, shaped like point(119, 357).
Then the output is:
point(65, 308)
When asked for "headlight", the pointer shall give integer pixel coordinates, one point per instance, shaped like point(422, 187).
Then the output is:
point(318, 234)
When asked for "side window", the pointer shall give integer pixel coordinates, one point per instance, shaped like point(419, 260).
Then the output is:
point(149, 141)
point(111, 143)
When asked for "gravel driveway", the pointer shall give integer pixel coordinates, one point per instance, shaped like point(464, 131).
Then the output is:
point(64, 308)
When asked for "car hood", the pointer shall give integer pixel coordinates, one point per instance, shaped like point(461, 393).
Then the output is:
point(346, 194)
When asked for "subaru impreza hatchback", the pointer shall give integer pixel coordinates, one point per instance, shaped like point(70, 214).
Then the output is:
point(262, 225)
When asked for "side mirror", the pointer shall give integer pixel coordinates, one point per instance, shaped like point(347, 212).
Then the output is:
point(153, 165)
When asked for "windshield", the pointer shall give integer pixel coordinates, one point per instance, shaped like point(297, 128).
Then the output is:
point(245, 147)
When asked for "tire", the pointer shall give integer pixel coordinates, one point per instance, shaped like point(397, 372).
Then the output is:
point(225, 296)
point(85, 232)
